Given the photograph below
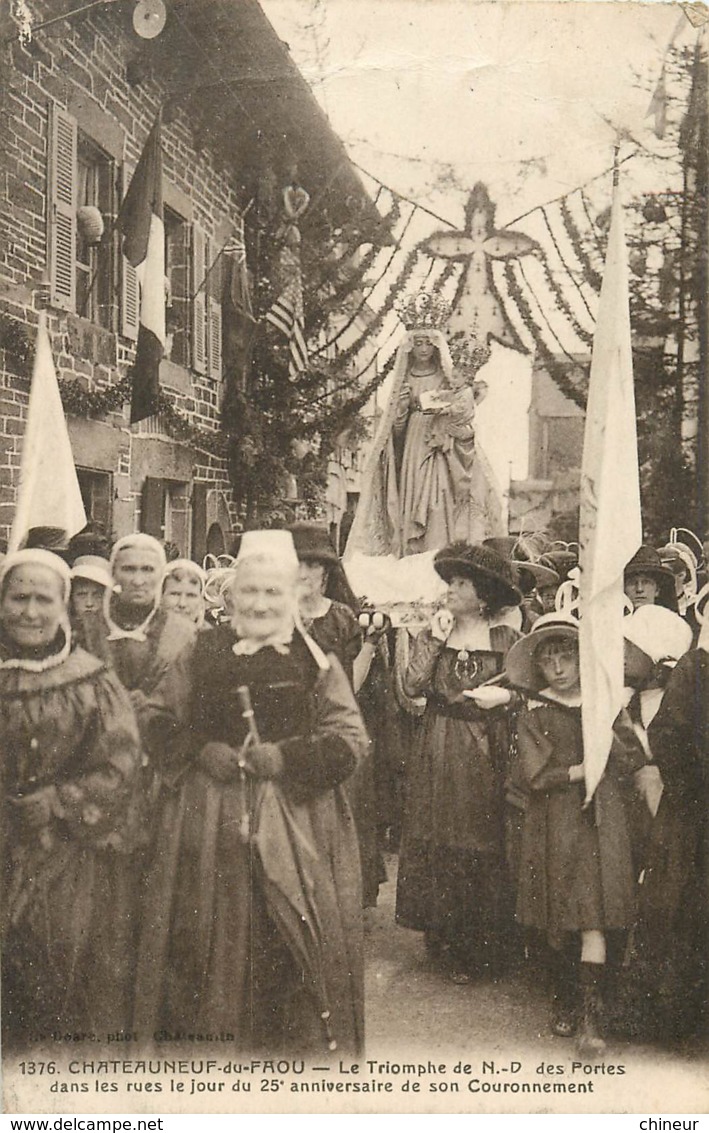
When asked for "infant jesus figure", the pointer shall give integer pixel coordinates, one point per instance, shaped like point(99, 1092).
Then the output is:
point(451, 409)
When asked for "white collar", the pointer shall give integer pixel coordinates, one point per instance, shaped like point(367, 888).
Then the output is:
point(569, 700)
point(28, 665)
point(281, 642)
point(118, 633)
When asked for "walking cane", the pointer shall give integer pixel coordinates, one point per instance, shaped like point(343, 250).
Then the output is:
point(247, 713)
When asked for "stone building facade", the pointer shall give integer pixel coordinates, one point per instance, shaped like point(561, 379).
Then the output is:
point(80, 100)
point(548, 499)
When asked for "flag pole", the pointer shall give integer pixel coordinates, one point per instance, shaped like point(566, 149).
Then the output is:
point(610, 528)
point(701, 77)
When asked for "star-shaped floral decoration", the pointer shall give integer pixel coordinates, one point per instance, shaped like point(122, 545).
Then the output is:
point(478, 308)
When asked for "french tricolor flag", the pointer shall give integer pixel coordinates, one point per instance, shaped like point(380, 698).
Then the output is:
point(141, 222)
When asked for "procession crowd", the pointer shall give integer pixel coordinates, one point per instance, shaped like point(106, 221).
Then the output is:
point(203, 767)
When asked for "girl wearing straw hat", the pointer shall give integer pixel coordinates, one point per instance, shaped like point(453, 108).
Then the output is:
point(576, 881)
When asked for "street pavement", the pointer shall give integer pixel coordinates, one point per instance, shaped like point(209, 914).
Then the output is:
point(414, 1010)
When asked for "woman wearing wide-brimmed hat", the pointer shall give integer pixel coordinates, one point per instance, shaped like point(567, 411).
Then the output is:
point(452, 876)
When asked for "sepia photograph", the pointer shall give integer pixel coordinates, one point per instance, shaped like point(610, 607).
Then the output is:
point(354, 557)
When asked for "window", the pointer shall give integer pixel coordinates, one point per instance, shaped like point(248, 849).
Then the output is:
point(165, 511)
point(95, 175)
point(177, 262)
point(97, 494)
point(79, 173)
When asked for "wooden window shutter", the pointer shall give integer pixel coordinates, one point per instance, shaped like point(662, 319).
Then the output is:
point(151, 506)
point(214, 310)
point(215, 339)
point(130, 295)
point(199, 520)
point(61, 207)
point(200, 246)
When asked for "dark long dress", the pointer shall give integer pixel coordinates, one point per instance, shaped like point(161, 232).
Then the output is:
point(214, 958)
point(576, 869)
point(453, 880)
point(338, 632)
point(374, 805)
point(67, 905)
point(673, 937)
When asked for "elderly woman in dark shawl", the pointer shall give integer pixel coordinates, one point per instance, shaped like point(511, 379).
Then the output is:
point(255, 903)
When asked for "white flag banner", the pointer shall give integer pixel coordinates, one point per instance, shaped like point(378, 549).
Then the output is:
point(49, 494)
point(610, 519)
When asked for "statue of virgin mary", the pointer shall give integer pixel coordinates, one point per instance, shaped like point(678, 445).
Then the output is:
point(427, 482)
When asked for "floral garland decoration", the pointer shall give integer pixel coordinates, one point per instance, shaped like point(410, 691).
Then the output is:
point(592, 224)
point(542, 312)
point(388, 302)
point(562, 303)
point(556, 369)
point(570, 272)
point(80, 402)
point(342, 290)
point(577, 244)
point(16, 344)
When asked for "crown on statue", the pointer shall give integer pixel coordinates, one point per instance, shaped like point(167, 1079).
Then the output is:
point(424, 310)
point(469, 354)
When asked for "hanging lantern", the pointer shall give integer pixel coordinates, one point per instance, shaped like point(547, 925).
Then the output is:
point(654, 211)
point(90, 222)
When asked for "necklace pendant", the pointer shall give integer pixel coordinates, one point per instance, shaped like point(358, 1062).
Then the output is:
point(466, 667)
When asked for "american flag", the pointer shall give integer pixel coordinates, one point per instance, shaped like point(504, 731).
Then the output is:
point(286, 315)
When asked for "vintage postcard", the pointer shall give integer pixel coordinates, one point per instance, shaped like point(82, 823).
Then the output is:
point(355, 518)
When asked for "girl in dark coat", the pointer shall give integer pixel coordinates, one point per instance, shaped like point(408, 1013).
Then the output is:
point(576, 881)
